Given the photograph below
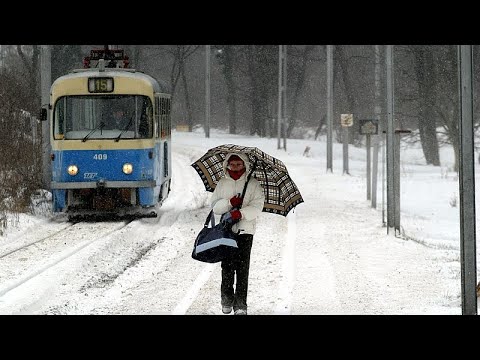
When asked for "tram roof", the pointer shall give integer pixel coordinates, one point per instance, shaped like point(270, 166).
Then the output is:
point(158, 85)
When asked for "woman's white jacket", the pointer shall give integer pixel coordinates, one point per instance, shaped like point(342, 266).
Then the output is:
point(253, 200)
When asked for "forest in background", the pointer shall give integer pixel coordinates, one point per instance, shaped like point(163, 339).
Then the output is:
point(244, 95)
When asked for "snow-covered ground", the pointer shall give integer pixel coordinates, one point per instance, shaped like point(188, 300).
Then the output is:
point(331, 255)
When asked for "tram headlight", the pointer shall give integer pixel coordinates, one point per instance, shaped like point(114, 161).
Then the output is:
point(127, 168)
point(73, 170)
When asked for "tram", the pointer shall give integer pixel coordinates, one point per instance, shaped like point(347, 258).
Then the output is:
point(110, 138)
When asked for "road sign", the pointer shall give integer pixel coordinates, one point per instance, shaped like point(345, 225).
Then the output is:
point(346, 120)
point(368, 127)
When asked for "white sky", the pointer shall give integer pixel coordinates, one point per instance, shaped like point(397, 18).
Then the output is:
point(331, 255)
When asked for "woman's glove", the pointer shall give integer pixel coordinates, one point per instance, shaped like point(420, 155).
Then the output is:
point(231, 217)
point(236, 201)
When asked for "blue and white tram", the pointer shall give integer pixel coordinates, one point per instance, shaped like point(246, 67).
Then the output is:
point(104, 167)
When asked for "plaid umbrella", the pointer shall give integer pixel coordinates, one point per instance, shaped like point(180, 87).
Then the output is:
point(281, 193)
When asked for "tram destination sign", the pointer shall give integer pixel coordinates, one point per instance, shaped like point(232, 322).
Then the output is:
point(100, 84)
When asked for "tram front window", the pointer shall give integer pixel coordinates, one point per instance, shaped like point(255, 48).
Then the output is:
point(104, 116)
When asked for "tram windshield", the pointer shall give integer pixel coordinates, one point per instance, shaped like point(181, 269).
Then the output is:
point(103, 117)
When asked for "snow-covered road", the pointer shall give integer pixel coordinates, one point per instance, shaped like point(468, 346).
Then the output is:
point(330, 256)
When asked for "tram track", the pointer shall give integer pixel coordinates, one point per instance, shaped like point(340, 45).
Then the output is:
point(36, 241)
point(95, 268)
point(55, 248)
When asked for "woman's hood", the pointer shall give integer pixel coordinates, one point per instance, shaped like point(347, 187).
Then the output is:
point(241, 156)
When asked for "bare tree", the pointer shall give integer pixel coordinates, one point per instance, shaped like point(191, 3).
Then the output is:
point(19, 171)
point(30, 61)
point(447, 105)
point(180, 54)
point(227, 56)
point(300, 73)
point(426, 77)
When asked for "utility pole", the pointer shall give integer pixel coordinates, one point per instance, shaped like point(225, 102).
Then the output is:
point(207, 91)
point(329, 106)
point(467, 182)
point(282, 97)
point(390, 140)
point(285, 117)
point(376, 139)
point(45, 83)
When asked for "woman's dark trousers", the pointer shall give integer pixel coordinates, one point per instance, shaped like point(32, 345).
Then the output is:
point(239, 265)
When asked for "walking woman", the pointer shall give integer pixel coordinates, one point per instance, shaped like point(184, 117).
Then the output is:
point(226, 200)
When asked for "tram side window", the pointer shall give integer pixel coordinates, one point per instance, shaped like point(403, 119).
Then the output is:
point(162, 111)
point(145, 128)
point(59, 120)
point(157, 117)
point(165, 117)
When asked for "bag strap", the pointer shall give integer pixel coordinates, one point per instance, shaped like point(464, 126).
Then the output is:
point(248, 179)
point(210, 218)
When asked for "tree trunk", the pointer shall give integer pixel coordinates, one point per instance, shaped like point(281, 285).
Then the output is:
point(187, 100)
point(230, 82)
point(322, 122)
point(426, 78)
point(257, 91)
point(299, 86)
point(342, 61)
